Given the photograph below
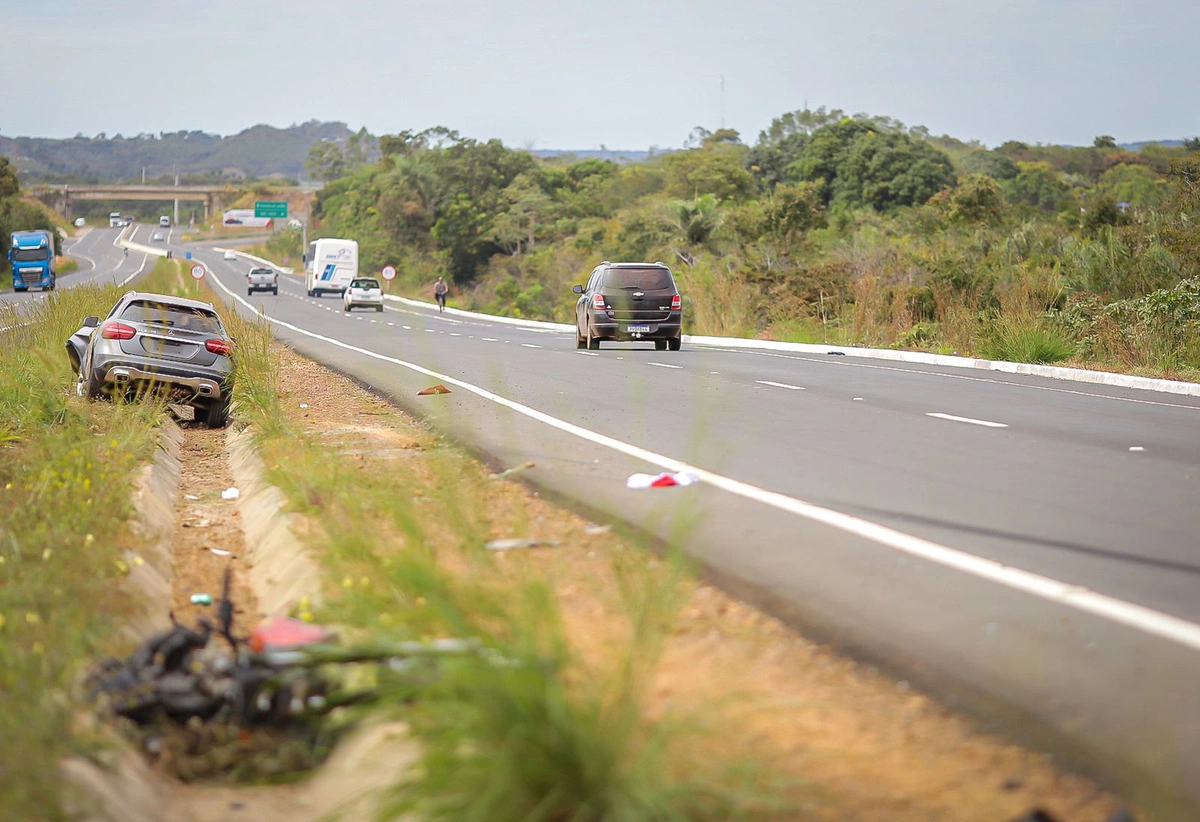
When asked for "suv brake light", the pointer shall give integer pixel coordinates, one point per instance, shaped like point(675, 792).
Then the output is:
point(118, 331)
point(219, 346)
point(598, 301)
point(676, 303)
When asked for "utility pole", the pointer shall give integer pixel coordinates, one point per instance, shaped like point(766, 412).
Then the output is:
point(175, 220)
point(722, 101)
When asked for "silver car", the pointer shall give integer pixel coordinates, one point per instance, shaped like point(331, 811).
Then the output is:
point(157, 342)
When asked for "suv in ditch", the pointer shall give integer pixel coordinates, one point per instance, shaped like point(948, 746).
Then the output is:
point(629, 302)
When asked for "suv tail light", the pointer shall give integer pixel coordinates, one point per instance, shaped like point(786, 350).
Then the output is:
point(598, 301)
point(676, 303)
point(118, 331)
point(219, 346)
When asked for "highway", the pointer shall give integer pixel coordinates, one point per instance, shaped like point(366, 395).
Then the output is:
point(100, 259)
point(1022, 547)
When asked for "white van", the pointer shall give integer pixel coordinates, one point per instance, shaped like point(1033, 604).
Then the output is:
point(330, 265)
point(164, 221)
point(114, 219)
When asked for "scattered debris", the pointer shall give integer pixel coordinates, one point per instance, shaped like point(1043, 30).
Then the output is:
point(200, 523)
point(191, 497)
point(663, 480)
point(837, 353)
point(435, 389)
point(505, 474)
point(304, 405)
point(592, 530)
point(515, 544)
point(221, 552)
point(200, 599)
point(230, 493)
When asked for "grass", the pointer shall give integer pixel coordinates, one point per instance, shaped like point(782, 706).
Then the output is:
point(545, 735)
point(1024, 338)
point(67, 469)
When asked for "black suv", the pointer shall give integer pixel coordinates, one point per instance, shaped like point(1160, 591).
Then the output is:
point(629, 301)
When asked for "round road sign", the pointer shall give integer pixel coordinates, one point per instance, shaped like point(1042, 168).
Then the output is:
point(197, 272)
point(389, 272)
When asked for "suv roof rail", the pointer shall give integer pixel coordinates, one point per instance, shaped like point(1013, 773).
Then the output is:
point(605, 262)
point(659, 262)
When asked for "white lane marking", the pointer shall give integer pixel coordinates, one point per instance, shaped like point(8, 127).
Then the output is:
point(455, 334)
point(393, 325)
point(588, 353)
point(1126, 613)
point(529, 345)
point(430, 331)
point(145, 259)
point(714, 372)
point(1136, 448)
point(489, 339)
point(858, 399)
point(407, 327)
point(968, 420)
point(663, 365)
point(841, 361)
point(781, 385)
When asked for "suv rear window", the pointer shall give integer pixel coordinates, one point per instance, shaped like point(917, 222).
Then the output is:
point(643, 279)
point(174, 316)
point(365, 284)
point(267, 271)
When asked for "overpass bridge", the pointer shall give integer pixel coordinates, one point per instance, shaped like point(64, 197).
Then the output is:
point(60, 195)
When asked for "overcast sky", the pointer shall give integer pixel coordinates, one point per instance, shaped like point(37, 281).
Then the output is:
point(624, 73)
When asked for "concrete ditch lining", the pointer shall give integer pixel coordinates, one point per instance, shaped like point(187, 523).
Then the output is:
point(119, 785)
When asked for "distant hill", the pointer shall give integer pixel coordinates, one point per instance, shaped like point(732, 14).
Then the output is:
point(619, 156)
point(1140, 145)
point(260, 151)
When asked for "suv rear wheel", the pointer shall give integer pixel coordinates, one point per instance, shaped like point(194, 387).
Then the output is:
point(216, 413)
point(674, 343)
point(660, 345)
point(593, 342)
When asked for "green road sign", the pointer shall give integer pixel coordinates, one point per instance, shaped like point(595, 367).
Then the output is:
point(271, 209)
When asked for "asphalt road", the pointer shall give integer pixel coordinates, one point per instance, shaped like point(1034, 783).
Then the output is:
point(1038, 561)
point(100, 261)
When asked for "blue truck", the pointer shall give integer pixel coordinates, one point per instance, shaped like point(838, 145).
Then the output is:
point(31, 254)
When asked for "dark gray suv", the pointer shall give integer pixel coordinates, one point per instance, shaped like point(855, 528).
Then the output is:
point(629, 302)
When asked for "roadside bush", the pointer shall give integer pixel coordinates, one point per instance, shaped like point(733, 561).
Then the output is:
point(1028, 338)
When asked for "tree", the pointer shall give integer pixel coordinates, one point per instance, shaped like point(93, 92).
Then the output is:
point(977, 199)
point(10, 186)
point(694, 222)
point(1192, 145)
point(1137, 185)
point(858, 165)
point(528, 209)
point(992, 163)
point(793, 210)
point(1038, 186)
point(1104, 141)
point(325, 161)
point(718, 171)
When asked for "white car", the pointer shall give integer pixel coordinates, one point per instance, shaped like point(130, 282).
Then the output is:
point(364, 292)
point(231, 255)
point(80, 222)
point(157, 236)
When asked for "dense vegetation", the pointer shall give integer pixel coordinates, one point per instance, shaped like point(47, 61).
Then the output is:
point(827, 228)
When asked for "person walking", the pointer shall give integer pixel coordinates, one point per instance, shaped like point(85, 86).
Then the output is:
point(439, 292)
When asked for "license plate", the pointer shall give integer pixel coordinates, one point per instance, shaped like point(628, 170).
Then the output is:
point(638, 329)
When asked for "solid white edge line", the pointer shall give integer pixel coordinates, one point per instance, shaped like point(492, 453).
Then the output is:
point(968, 420)
point(1120, 611)
point(781, 385)
point(663, 364)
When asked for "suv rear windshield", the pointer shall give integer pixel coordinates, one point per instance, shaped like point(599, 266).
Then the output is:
point(643, 279)
point(260, 271)
point(365, 284)
point(174, 316)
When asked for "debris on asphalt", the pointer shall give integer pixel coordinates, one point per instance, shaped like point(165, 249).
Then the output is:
point(433, 389)
point(516, 544)
point(517, 469)
point(230, 493)
point(663, 480)
point(200, 599)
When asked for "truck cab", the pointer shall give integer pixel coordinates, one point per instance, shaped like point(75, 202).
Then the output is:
point(31, 254)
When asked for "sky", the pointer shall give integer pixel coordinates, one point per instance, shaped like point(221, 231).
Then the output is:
point(624, 74)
